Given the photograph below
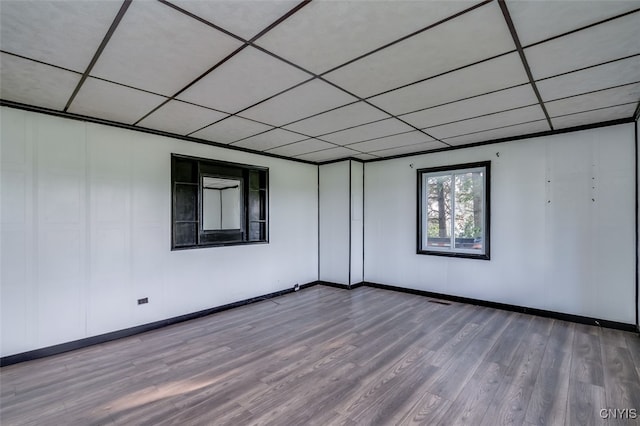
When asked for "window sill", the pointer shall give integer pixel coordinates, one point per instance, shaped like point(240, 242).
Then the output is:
point(226, 244)
point(484, 256)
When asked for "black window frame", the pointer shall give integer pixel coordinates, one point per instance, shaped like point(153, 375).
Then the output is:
point(420, 249)
point(187, 175)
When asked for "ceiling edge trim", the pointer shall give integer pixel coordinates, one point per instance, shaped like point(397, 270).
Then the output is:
point(78, 117)
point(513, 138)
point(17, 105)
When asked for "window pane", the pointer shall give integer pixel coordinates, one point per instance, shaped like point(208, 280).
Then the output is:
point(186, 202)
point(220, 203)
point(185, 171)
point(186, 234)
point(438, 200)
point(454, 210)
point(468, 210)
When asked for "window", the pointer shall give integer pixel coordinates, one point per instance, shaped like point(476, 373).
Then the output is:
point(217, 203)
point(453, 210)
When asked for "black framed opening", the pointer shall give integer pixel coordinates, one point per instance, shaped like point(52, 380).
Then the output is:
point(217, 203)
point(454, 210)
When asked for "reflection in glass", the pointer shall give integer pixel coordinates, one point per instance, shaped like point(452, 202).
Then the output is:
point(468, 210)
point(439, 211)
point(220, 203)
point(455, 205)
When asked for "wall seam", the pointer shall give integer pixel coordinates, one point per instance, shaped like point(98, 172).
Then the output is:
point(318, 196)
point(637, 277)
point(87, 229)
point(363, 212)
point(350, 223)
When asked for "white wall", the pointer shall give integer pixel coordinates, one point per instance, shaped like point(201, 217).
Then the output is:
point(341, 222)
point(86, 231)
point(638, 195)
point(334, 222)
point(357, 216)
point(562, 225)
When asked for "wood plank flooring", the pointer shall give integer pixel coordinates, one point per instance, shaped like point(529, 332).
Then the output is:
point(325, 356)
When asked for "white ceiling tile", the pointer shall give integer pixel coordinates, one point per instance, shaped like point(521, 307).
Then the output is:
point(110, 101)
point(409, 149)
point(33, 83)
point(605, 98)
point(474, 36)
point(496, 74)
point(504, 132)
point(62, 33)
point(245, 79)
point(394, 141)
point(611, 40)
point(486, 104)
point(596, 78)
point(308, 99)
point(539, 20)
point(596, 116)
point(338, 119)
point(378, 129)
point(270, 139)
point(356, 27)
point(298, 148)
point(181, 118)
point(159, 49)
point(328, 154)
point(230, 130)
point(486, 122)
point(243, 18)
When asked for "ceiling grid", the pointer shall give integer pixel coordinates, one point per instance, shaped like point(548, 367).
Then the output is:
point(322, 80)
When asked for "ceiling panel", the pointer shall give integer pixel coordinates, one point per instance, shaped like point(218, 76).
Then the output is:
point(243, 18)
point(356, 27)
point(612, 40)
point(247, 78)
point(504, 132)
point(540, 20)
point(181, 118)
point(298, 148)
point(328, 154)
point(230, 130)
point(182, 49)
point(271, 139)
point(474, 36)
point(378, 129)
point(486, 122)
point(605, 98)
point(62, 33)
point(113, 102)
point(308, 99)
point(596, 78)
point(33, 83)
point(338, 119)
point(496, 74)
point(157, 50)
point(596, 116)
point(408, 149)
point(394, 141)
point(486, 104)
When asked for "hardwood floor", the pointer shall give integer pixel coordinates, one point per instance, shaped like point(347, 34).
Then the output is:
point(329, 356)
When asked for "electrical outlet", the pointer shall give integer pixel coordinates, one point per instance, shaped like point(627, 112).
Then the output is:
point(296, 287)
point(143, 301)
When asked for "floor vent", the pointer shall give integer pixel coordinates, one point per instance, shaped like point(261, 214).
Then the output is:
point(439, 302)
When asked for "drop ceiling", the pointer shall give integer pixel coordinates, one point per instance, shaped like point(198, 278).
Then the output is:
point(325, 79)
